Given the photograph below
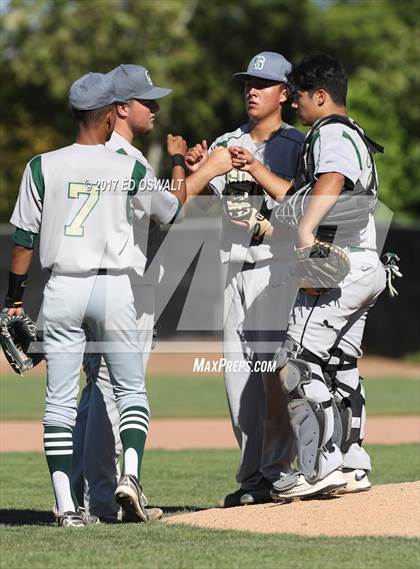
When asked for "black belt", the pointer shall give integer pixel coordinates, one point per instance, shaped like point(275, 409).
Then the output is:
point(248, 266)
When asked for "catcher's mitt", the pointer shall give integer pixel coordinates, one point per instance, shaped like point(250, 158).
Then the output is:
point(239, 208)
point(16, 335)
point(321, 267)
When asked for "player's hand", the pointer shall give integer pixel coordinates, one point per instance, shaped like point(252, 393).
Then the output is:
point(197, 156)
point(15, 311)
point(176, 145)
point(220, 161)
point(241, 159)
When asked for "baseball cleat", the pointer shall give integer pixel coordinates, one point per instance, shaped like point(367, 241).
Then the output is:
point(144, 499)
point(153, 514)
point(55, 511)
point(129, 496)
point(71, 520)
point(357, 481)
point(90, 519)
point(75, 519)
point(305, 489)
point(258, 495)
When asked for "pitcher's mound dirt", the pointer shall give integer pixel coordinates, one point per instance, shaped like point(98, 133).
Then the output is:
point(388, 510)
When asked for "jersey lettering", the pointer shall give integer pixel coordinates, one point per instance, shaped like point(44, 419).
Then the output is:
point(76, 189)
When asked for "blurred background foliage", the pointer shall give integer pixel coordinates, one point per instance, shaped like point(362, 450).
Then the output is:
point(194, 46)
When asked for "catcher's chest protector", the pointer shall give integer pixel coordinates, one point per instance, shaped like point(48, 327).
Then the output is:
point(306, 169)
point(356, 201)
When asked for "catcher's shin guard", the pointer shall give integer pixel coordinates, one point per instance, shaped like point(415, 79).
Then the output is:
point(311, 413)
point(350, 402)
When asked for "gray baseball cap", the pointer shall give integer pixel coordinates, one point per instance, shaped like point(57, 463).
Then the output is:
point(92, 91)
point(267, 65)
point(134, 82)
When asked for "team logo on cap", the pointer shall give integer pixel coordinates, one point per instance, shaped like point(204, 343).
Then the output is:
point(258, 62)
point(149, 78)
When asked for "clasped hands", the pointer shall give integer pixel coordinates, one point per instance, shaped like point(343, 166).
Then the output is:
point(196, 156)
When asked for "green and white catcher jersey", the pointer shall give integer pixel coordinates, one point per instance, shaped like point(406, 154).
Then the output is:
point(80, 199)
point(338, 148)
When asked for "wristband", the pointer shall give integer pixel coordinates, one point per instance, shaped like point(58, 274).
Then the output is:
point(15, 291)
point(178, 160)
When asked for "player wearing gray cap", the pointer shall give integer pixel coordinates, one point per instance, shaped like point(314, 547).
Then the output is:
point(76, 199)
point(96, 470)
point(255, 319)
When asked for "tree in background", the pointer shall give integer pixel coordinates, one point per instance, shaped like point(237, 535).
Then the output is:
point(194, 46)
point(46, 44)
point(379, 44)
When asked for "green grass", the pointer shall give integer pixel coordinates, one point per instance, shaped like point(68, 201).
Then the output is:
point(184, 479)
point(198, 396)
point(412, 358)
point(392, 396)
point(158, 547)
point(178, 481)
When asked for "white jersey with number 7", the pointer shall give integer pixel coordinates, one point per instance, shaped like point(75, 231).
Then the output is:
point(80, 199)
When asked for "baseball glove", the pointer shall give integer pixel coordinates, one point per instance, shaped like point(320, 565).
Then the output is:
point(16, 335)
point(321, 267)
point(239, 208)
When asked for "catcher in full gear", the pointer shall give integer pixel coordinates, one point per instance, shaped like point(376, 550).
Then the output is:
point(330, 207)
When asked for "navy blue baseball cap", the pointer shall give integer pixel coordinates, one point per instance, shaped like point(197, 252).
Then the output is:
point(134, 82)
point(267, 65)
point(92, 91)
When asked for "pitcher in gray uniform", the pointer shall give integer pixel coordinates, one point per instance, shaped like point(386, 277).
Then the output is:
point(256, 304)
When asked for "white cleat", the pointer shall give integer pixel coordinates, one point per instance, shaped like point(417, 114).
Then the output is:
point(305, 489)
point(71, 520)
point(357, 481)
point(75, 519)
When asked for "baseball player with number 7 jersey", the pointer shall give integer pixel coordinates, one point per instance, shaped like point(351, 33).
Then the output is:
point(78, 199)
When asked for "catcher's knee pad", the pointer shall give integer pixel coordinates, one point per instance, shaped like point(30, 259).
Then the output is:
point(350, 403)
point(287, 350)
point(311, 413)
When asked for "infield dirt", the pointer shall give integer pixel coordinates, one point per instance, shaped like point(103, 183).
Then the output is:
point(387, 510)
point(178, 434)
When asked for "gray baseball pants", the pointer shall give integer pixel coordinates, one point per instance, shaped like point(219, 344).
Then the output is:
point(257, 306)
point(96, 439)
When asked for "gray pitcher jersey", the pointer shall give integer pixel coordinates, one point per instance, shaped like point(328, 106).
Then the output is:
point(339, 148)
point(147, 235)
point(79, 200)
point(281, 155)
